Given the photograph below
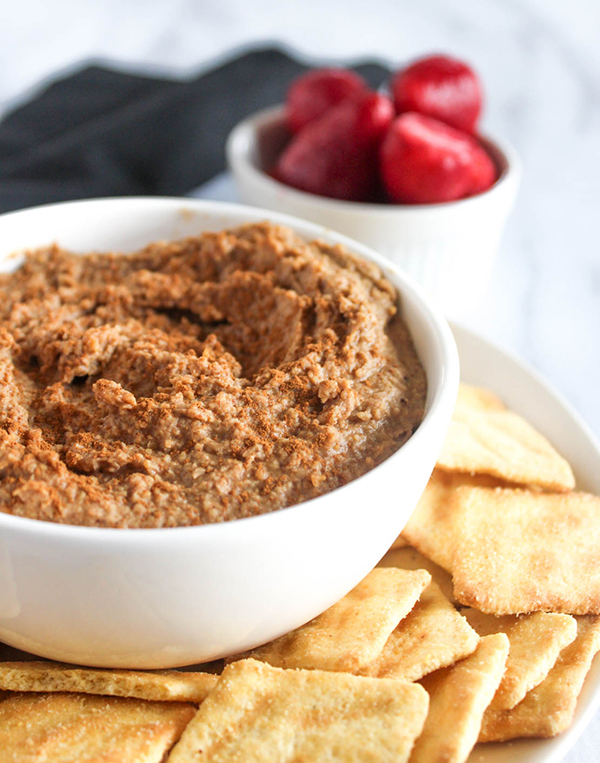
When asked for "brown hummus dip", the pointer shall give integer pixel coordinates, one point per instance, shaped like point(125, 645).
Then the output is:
point(204, 380)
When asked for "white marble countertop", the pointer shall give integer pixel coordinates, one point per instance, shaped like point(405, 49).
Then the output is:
point(540, 64)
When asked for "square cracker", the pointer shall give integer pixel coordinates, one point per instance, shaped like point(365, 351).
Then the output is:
point(433, 635)
point(485, 439)
point(260, 713)
point(548, 709)
point(536, 640)
point(522, 551)
point(79, 728)
point(430, 529)
point(352, 632)
point(458, 697)
point(477, 398)
point(408, 558)
point(172, 685)
point(400, 542)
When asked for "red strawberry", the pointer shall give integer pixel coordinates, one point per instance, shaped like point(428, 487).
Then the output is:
point(424, 161)
point(313, 93)
point(483, 171)
point(337, 154)
point(439, 87)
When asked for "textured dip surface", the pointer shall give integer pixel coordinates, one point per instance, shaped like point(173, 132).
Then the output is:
point(203, 380)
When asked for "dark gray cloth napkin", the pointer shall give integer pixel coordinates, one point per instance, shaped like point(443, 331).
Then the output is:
point(105, 132)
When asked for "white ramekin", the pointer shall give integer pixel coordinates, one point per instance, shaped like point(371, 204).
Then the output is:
point(157, 598)
point(448, 248)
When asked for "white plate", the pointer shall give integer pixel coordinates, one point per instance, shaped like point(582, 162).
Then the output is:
point(523, 390)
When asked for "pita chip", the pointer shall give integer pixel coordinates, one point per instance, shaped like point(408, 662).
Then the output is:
point(433, 635)
point(536, 640)
point(261, 714)
point(408, 558)
point(458, 696)
point(430, 529)
point(351, 633)
point(172, 685)
point(521, 551)
point(79, 728)
point(548, 709)
point(484, 438)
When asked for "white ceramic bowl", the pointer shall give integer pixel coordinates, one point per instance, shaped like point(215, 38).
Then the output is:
point(155, 598)
point(448, 248)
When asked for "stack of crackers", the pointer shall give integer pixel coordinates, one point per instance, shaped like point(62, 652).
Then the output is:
point(479, 625)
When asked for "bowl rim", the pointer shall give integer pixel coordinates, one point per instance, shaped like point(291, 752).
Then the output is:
point(438, 328)
point(239, 142)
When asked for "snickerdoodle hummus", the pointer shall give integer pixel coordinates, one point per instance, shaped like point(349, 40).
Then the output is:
point(208, 379)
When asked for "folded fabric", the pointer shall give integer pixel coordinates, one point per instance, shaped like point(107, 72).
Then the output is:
point(105, 132)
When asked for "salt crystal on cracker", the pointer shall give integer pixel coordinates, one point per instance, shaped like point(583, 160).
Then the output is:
point(258, 713)
point(536, 640)
point(173, 685)
point(458, 696)
point(548, 709)
point(64, 728)
point(519, 551)
point(433, 635)
point(486, 439)
point(352, 632)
